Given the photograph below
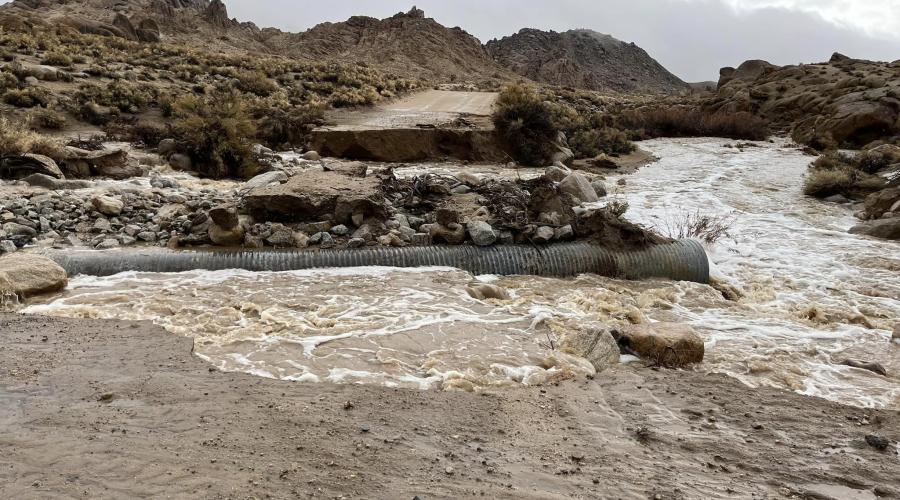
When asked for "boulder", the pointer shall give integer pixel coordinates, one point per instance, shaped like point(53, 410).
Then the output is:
point(579, 187)
point(166, 147)
point(226, 237)
point(26, 275)
point(878, 203)
point(266, 179)
point(180, 161)
point(47, 182)
point(593, 343)
point(666, 344)
point(317, 196)
point(543, 234)
point(111, 163)
point(311, 156)
point(888, 229)
point(452, 234)
point(281, 237)
point(224, 216)
point(108, 205)
point(483, 291)
point(17, 167)
point(556, 174)
point(481, 233)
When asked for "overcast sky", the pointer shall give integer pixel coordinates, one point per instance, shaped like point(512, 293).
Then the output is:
point(692, 38)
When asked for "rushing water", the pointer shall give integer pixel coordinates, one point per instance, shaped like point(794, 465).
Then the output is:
point(812, 295)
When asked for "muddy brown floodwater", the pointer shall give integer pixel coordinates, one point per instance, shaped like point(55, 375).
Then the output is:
point(111, 409)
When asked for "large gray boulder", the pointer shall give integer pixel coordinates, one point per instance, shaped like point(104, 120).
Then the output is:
point(579, 187)
point(482, 233)
point(318, 196)
point(593, 343)
point(17, 167)
point(26, 275)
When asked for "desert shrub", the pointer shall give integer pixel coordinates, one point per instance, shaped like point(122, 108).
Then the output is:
point(288, 126)
point(214, 130)
point(57, 59)
point(28, 97)
point(523, 120)
point(825, 183)
point(343, 97)
point(148, 133)
point(709, 228)
point(16, 139)
point(48, 119)
point(591, 142)
point(8, 81)
point(254, 82)
point(871, 162)
point(683, 121)
point(124, 96)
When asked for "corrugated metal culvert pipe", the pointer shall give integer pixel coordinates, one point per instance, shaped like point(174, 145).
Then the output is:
point(683, 260)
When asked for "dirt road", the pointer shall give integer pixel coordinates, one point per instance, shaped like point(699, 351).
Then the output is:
point(429, 108)
point(109, 409)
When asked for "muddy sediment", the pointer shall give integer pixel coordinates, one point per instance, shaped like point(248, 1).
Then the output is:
point(104, 409)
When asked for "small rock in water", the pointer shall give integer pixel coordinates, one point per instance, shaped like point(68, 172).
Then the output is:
point(7, 246)
point(482, 291)
point(311, 156)
point(896, 335)
point(862, 365)
point(880, 443)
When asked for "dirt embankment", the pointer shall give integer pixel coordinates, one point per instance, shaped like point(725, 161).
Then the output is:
point(116, 409)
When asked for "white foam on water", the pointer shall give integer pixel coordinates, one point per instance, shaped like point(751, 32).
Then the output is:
point(810, 295)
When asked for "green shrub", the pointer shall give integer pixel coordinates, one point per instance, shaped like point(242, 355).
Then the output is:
point(16, 139)
point(48, 119)
point(825, 183)
point(589, 143)
point(683, 121)
point(57, 59)
point(288, 126)
point(523, 120)
point(215, 129)
point(28, 97)
point(254, 82)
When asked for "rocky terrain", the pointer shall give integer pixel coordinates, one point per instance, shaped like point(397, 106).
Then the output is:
point(583, 59)
point(844, 102)
point(408, 44)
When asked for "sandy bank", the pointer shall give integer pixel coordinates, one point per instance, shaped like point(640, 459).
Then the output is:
point(106, 409)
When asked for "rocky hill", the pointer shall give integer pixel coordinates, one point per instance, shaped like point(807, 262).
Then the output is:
point(583, 59)
point(401, 43)
point(407, 44)
point(843, 102)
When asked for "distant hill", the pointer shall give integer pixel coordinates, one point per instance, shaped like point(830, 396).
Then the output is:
point(407, 44)
point(583, 59)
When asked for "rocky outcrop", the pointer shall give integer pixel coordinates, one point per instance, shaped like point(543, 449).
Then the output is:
point(841, 103)
point(318, 196)
point(17, 167)
point(113, 163)
point(665, 344)
point(216, 14)
point(583, 59)
point(406, 43)
point(25, 275)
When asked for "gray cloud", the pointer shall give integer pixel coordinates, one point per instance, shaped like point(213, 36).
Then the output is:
point(692, 38)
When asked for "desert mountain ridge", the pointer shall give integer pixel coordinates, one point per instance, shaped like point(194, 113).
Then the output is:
point(408, 44)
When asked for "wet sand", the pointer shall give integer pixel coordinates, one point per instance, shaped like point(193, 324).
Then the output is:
point(106, 409)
